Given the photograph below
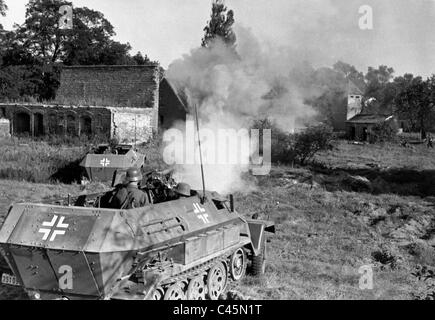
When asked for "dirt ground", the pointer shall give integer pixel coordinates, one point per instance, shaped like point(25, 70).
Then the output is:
point(371, 206)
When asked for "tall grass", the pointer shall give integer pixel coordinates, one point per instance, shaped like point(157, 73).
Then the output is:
point(57, 159)
point(33, 161)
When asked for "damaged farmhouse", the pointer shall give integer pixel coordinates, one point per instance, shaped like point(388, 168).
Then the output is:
point(128, 103)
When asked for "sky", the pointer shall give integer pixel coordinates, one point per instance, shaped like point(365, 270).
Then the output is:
point(322, 31)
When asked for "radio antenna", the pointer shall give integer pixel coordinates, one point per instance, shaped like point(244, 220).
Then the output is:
point(200, 155)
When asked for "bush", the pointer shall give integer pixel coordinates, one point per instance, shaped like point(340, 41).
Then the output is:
point(282, 151)
point(425, 274)
point(384, 132)
point(301, 147)
point(311, 141)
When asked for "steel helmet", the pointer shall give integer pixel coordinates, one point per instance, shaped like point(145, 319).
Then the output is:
point(183, 189)
point(133, 175)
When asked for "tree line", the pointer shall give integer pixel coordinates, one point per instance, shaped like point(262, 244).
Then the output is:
point(32, 54)
point(411, 98)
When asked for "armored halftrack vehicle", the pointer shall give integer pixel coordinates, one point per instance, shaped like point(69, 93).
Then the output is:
point(188, 248)
point(102, 162)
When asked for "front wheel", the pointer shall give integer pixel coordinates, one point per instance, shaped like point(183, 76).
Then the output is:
point(238, 265)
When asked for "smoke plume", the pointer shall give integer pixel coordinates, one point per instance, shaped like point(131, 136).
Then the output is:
point(230, 90)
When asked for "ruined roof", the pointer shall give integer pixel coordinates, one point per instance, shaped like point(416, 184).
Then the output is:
point(181, 99)
point(369, 118)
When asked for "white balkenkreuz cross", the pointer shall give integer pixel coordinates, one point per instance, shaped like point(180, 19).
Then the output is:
point(105, 162)
point(53, 228)
point(201, 213)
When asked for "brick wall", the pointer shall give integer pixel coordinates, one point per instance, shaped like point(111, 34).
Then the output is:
point(115, 86)
point(121, 102)
point(38, 120)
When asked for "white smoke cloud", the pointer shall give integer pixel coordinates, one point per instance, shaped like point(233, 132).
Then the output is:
point(237, 88)
point(231, 90)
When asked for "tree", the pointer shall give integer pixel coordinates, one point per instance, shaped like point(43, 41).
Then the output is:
point(376, 80)
point(35, 50)
point(220, 25)
point(3, 8)
point(380, 76)
point(350, 73)
point(331, 102)
point(41, 35)
point(140, 59)
point(301, 147)
point(20, 72)
point(416, 102)
point(88, 43)
point(380, 87)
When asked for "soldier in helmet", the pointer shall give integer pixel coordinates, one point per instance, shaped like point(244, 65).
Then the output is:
point(182, 190)
point(128, 195)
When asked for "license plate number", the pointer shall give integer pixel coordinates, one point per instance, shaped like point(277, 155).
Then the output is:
point(10, 280)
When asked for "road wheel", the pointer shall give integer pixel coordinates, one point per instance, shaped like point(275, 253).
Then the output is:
point(158, 294)
point(259, 262)
point(175, 292)
point(216, 281)
point(238, 264)
point(196, 289)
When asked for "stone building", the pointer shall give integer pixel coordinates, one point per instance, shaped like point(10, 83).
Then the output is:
point(354, 100)
point(129, 103)
point(346, 105)
point(361, 119)
point(360, 126)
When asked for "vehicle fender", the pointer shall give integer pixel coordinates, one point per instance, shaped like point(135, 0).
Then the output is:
point(257, 230)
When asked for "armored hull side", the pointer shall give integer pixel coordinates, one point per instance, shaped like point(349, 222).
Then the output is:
point(90, 253)
point(102, 167)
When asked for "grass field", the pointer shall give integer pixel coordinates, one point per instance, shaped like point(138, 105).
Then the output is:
point(324, 237)
point(387, 156)
point(39, 162)
point(327, 226)
point(52, 162)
